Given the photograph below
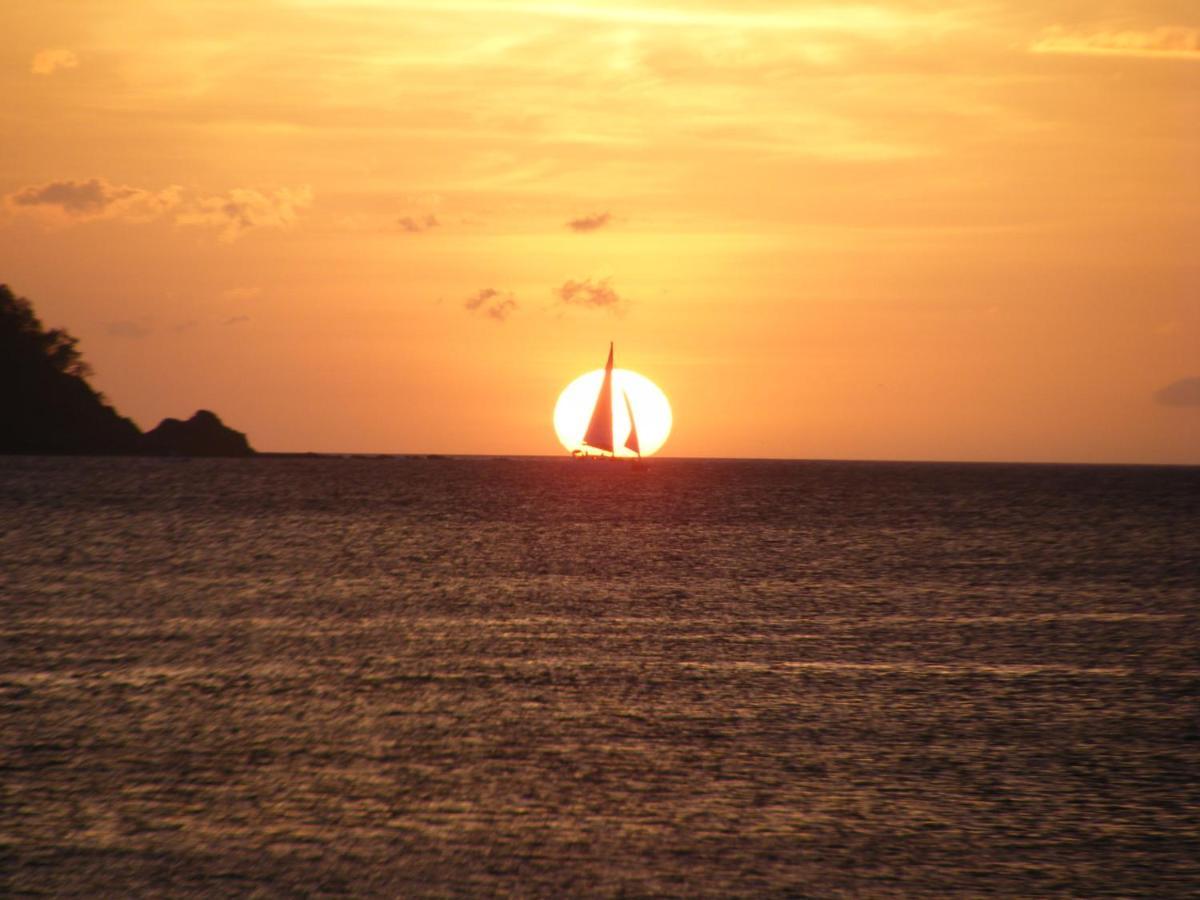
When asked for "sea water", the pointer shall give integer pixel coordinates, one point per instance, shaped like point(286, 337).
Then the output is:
point(552, 677)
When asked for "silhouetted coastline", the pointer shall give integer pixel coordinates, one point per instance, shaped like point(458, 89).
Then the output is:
point(47, 406)
point(202, 435)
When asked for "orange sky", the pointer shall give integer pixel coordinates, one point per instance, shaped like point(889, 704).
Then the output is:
point(884, 230)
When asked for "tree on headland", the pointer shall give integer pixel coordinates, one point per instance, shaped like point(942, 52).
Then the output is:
point(22, 335)
point(47, 405)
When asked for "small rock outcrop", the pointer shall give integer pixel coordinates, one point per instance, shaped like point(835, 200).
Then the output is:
point(204, 434)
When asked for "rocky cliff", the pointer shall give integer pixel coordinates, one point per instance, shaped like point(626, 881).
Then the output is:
point(204, 434)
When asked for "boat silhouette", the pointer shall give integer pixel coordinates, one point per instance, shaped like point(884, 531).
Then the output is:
point(599, 434)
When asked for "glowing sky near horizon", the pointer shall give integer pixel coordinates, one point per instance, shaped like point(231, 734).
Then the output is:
point(871, 230)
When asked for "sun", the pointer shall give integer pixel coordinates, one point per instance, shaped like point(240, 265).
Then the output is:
point(651, 411)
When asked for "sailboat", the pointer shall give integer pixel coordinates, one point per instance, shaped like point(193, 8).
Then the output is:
point(599, 432)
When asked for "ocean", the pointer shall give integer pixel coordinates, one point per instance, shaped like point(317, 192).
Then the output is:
point(543, 677)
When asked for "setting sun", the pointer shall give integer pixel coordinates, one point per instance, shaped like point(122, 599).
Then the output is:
point(651, 411)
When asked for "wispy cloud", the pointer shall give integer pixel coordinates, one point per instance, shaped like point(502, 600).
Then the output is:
point(50, 60)
point(128, 329)
point(590, 223)
point(417, 224)
point(232, 213)
point(236, 320)
point(241, 209)
point(498, 305)
point(589, 294)
point(1172, 42)
point(241, 293)
point(832, 16)
point(1184, 392)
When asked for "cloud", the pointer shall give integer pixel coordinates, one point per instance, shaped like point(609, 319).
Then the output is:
point(589, 294)
point(858, 18)
point(82, 199)
point(128, 329)
point(491, 302)
point(1184, 392)
point(241, 209)
point(590, 223)
point(232, 213)
point(50, 60)
point(1173, 42)
point(241, 293)
point(236, 320)
point(417, 224)
point(477, 300)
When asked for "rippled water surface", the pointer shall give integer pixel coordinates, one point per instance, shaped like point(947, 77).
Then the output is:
point(545, 677)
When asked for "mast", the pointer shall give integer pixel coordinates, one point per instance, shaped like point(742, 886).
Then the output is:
point(632, 441)
point(599, 431)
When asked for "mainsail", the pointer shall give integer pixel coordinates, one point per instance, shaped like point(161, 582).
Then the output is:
point(599, 431)
point(632, 441)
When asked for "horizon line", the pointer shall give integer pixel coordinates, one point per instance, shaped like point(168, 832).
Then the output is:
point(800, 459)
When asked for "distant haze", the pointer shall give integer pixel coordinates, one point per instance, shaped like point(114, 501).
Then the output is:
point(867, 231)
